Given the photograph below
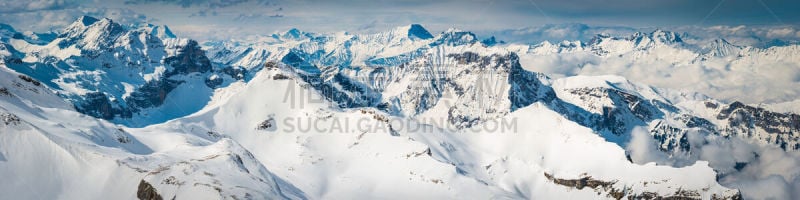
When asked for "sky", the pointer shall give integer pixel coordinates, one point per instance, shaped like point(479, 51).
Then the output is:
point(225, 19)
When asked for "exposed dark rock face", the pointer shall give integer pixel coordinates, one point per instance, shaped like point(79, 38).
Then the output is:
point(455, 38)
point(629, 110)
point(237, 73)
point(214, 81)
point(151, 94)
point(626, 109)
point(526, 88)
point(344, 91)
point(491, 41)
point(619, 192)
point(280, 77)
point(97, 104)
point(418, 31)
point(267, 124)
point(190, 58)
point(670, 138)
point(333, 86)
point(132, 56)
point(4, 92)
point(9, 119)
point(782, 128)
point(146, 191)
point(586, 181)
point(30, 80)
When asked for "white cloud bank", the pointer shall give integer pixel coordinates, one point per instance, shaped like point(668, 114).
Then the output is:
point(758, 76)
point(758, 171)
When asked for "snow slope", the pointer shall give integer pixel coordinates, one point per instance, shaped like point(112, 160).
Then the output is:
point(225, 150)
point(304, 147)
point(49, 151)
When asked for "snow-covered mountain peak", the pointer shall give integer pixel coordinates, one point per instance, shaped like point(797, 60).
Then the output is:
point(121, 73)
point(667, 37)
point(455, 37)
point(658, 42)
point(657, 37)
point(7, 32)
point(85, 21)
point(6, 29)
point(722, 48)
point(160, 31)
point(548, 48)
point(292, 34)
point(416, 31)
point(90, 33)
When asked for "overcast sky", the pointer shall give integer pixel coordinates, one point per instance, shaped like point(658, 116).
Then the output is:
point(221, 19)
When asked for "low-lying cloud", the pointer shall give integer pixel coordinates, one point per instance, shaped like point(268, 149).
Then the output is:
point(757, 76)
point(758, 171)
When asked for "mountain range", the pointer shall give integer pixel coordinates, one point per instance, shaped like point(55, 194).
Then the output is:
point(103, 110)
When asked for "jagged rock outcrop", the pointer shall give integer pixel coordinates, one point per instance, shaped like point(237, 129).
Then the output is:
point(612, 190)
point(146, 191)
point(780, 129)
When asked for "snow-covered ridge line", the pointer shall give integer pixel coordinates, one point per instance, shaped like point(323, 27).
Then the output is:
point(126, 73)
point(658, 52)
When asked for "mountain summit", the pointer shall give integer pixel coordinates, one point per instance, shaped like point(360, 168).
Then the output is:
point(418, 32)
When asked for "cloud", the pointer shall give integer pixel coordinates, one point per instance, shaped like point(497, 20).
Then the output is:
point(369, 26)
point(205, 8)
point(255, 16)
point(762, 81)
point(743, 35)
point(642, 148)
point(557, 33)
point(773, 174)
point(9, 7)
point(200, 3)
point(242, 17)
point(209, 32)
point(54, 20)
point(119, 15)
point(759, 76)
point(759, 171)
point(38, 15)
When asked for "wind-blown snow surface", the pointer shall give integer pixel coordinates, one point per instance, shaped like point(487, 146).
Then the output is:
point(398, 114)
